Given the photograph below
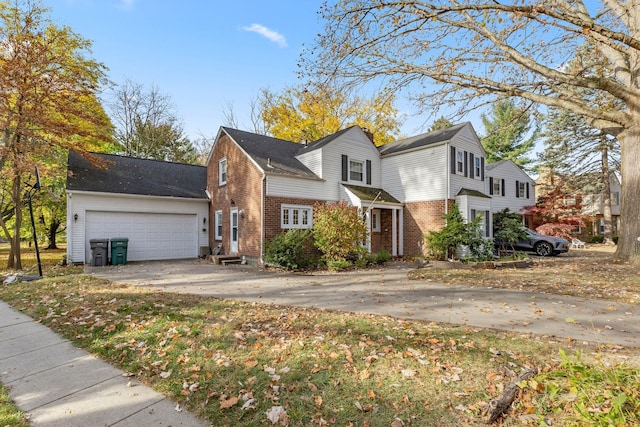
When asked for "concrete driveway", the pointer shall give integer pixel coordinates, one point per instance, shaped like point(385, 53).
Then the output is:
point(387, 291)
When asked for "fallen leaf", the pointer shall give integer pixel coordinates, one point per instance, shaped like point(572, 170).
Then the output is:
point(165, 374)
point(228, 403)
point(277, 414)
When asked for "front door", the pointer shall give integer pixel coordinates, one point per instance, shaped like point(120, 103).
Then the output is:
point(233, 246)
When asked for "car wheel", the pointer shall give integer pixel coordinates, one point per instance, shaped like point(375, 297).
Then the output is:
point(543, 249)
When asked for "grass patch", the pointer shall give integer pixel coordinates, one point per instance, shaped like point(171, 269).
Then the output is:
point(233, 362)
point(10, 415)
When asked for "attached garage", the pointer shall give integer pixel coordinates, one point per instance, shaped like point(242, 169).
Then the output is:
point(161, 207)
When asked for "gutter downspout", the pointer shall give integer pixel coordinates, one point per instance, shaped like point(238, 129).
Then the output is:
point(448, 172)
point(262, 186)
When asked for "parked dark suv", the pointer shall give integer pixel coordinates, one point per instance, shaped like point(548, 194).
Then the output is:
point(541, 245)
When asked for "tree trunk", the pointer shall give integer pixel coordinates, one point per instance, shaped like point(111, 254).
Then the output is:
point(630, 200)
point(15, 260)
point(606, 194)
point(52, 232)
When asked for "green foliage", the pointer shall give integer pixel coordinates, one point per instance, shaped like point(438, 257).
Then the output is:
point(597, 395)
point(596, 239)
point(507, 229)
point(380, 257)
point(443, 244)
point(289, 250)
point(506, 131)
point(440, 123)
point(338, 231)
point(338, 264)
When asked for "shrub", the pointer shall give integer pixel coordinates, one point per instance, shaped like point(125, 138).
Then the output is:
point(381, 256)
point(507, 229)
point(290, 250)
point(338, 231)
point(615, 239)
point(338, 264)
point(596, 239)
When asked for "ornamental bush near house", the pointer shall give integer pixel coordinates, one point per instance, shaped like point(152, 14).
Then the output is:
point(290, 250)
point(507, 230)
point(338, 231)
point(443, 244)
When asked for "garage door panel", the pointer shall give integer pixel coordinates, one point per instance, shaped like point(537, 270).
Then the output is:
point(151, 235)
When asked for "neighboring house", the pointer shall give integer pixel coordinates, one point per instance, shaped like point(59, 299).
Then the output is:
point(510, 188)
point(161, 207)
point(260, 186)
point(593, 207)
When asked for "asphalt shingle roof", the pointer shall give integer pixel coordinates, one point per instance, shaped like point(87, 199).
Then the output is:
point(370, 194)
point(422, 140)
point(271, 154)
point(131, 175)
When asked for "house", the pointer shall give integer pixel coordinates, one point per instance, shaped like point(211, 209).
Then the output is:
point(161, 207)
point(255, 186)
point(593, 207)
point(510, 188)
point(260, 186)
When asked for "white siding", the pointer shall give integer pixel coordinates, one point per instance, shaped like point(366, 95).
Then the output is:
point(466, 140)
point(312, 160)
point(511, 173)
point(79, 203)
point(417, 175)
point(285, 186)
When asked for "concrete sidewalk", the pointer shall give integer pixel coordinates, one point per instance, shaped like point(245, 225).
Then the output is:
point(56, 384)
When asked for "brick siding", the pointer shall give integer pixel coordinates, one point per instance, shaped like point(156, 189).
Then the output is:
point(420, 218)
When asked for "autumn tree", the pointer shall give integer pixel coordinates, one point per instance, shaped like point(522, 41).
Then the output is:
point(508, 133)
point(147, 125)
point(587, 157)
point(301, 114)
point(470, 52)
point(48, 87)
point(441, 123)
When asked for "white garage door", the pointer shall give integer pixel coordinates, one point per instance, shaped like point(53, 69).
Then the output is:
point(151, 235)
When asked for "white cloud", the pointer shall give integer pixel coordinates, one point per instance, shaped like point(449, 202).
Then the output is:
point(274, 36)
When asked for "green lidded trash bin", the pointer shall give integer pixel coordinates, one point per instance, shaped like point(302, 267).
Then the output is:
point(119, 250)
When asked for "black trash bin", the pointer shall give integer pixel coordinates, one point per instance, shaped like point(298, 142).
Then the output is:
point(99, 252)
point(119, 250)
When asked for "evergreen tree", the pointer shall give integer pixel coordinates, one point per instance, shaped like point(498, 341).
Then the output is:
point(508, 133)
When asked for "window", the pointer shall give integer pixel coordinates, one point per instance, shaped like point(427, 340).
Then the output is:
point(218, 225)
point(483, 225)
point(356, 170)
point(615, 198)
point(496, 187)
point(293, 216)
point(569, 201)
point(375, 220)
point(477, 166)
point(522, 190)
point(459, 161)
point(222, 172)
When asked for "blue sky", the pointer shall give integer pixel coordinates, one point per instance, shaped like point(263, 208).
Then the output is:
point(204, 54)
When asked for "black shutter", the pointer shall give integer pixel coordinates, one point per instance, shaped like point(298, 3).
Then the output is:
point(482, 168)
point(487, 224)
point(472, 165)
point(502, 187)
point(491, 185)
point(466, 164)
point(527, 190)
point(369, 172)
point(345, 168)
point(453, 160)
point(517, 188)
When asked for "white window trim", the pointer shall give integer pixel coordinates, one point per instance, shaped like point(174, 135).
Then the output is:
point(363, 171)
point(221, 162)
point(459, 161)
point(522, 189)
point(498, 182)
point(375, 224)
point(299, 209)
point(217, 223)
point(477, 165)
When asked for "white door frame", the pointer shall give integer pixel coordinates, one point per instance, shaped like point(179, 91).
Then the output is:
point(233, 230)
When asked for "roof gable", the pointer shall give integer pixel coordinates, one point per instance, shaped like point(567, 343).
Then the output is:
point(271, 155)
point(131, 175)
point(505, 166)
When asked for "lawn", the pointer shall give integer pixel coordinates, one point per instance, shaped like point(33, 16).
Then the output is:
point(244, 364)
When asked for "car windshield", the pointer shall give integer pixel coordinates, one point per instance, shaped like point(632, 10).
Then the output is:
point(533, 233)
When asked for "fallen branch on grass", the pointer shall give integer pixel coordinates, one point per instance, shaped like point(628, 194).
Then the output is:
point(498, 406)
